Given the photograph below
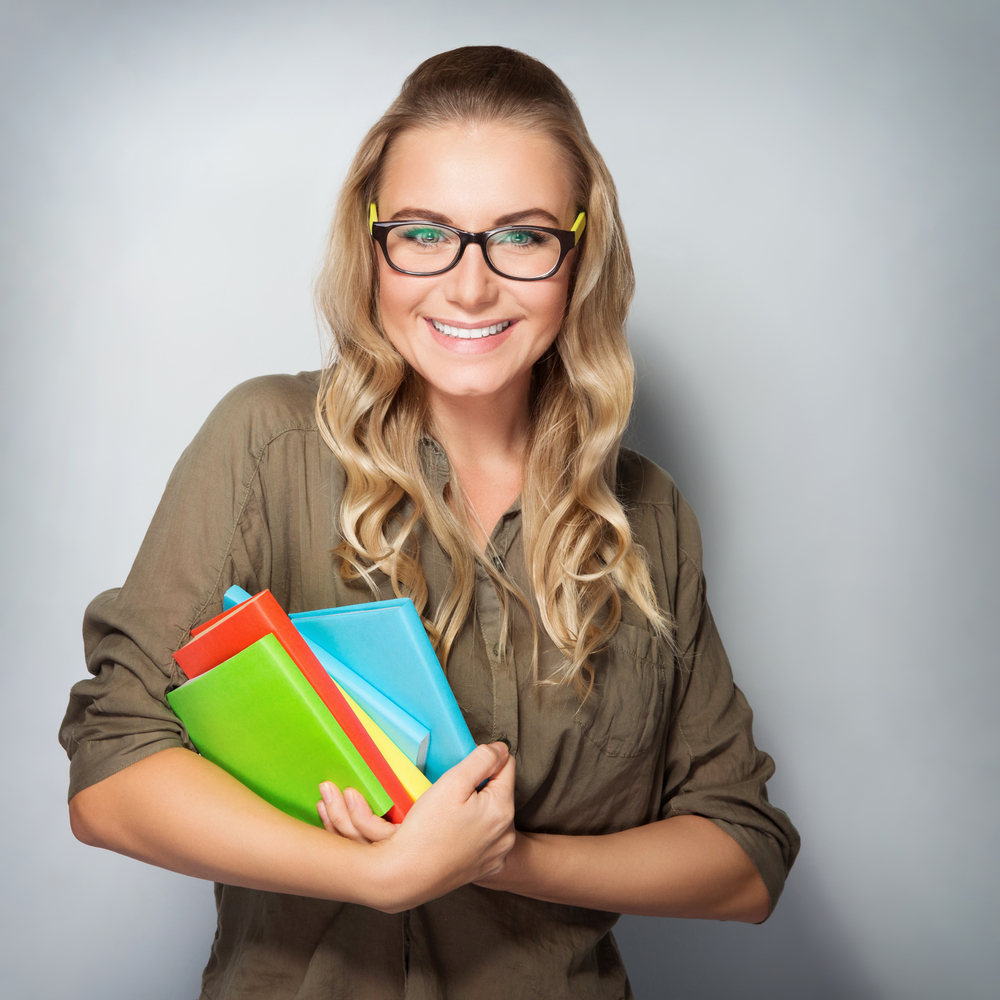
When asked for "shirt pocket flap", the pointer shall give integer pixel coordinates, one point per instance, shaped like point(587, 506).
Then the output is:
point(623, 713)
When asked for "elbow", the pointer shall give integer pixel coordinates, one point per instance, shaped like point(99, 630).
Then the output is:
point(85, 820)
point(753, 904)
point(759, 912)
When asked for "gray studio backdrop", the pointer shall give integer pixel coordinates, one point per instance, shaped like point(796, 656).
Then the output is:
point(811, 195)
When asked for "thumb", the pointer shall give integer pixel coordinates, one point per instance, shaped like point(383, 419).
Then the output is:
point(502, 783)
point(467, 775)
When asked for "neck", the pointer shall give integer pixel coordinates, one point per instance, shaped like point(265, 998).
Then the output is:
point(485, 440)
point(476, 432)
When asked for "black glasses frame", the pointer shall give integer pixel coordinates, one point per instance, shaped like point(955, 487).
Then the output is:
point(567, 241)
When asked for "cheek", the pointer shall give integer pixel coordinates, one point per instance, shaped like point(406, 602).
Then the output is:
point(549, 302)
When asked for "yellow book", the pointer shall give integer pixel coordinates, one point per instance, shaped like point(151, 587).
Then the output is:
point(410, 776)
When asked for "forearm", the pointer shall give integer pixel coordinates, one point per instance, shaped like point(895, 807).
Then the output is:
point(176, 810)
point(680, 867)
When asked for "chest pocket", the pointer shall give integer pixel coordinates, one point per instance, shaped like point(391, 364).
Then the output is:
point(625, 712)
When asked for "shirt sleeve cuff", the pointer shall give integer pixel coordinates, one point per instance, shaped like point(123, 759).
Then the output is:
point(95, 760)
point(765, 855)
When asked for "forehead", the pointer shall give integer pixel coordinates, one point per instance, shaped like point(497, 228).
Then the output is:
point(475, 173)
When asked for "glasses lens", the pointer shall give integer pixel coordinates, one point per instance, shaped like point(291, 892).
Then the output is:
point(421, 247)
point(523, 253)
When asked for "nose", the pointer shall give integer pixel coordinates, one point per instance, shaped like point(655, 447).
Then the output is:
point(470, 284)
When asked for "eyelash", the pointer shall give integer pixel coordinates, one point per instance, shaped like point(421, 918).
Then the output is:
point(415, 234)
point(533, 238)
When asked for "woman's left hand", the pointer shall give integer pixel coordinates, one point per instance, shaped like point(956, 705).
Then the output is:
point(348, 814)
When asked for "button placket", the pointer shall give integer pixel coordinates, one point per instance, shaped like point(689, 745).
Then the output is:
point(490, 615)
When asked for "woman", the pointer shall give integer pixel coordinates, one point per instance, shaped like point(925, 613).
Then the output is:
point(462, 449)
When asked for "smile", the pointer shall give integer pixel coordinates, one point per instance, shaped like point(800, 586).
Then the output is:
point(464, 334)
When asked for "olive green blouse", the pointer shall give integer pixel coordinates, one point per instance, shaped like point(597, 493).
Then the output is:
point(254, 501)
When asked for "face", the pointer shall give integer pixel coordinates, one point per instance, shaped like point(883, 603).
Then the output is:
point(474, 177)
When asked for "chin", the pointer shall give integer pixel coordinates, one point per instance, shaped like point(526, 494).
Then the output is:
point(467, 388)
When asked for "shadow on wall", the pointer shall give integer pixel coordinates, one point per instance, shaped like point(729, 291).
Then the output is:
point(658, 426)
point(801, 953)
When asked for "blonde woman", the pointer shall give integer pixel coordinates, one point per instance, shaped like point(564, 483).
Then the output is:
point(461, 448)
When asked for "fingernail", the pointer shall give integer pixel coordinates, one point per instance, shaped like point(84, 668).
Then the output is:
point(350, 798)
point(325, 790)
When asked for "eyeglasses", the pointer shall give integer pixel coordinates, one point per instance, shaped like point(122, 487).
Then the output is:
point(524, 253)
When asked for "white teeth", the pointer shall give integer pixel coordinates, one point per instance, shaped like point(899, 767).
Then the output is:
point(463, 334)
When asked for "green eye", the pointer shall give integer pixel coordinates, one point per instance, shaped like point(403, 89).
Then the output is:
point(424, 235)
point(518, 237)
point(522, 239)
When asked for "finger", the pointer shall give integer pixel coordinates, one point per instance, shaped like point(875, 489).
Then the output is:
point(337, 813)
point(501, 785)
point(334, 807)
point(467, 775)
point(324, 817)
point(365, 821)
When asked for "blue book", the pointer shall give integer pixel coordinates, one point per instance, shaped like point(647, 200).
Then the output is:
point(234, 596)
point(385, 643)
point(374, 640)
point(408, 734)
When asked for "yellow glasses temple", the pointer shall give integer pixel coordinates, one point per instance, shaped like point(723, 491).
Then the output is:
point(372, 217)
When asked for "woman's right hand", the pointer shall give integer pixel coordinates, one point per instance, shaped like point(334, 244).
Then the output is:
point(451, 836)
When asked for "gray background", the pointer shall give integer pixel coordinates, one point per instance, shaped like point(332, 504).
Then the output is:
point(811, 194)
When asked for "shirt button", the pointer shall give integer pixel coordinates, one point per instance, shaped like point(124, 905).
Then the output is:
point(496, 649)
point(498, 563)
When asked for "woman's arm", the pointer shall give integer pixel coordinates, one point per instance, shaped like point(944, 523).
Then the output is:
point(179, 811)
point(684, 866)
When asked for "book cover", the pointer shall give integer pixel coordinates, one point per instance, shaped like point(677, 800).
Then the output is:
point(414, 780)
point(257, 717)
point(405, 732)
point(234, 630)
point(374, 640)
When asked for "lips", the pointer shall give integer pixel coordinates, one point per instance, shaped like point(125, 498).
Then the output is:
point(462, 333)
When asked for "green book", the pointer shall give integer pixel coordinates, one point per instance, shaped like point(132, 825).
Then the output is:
point(257, 717)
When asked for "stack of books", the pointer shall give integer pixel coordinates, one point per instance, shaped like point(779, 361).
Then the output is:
point(354, 695)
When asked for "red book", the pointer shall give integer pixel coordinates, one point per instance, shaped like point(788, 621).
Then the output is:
point(233, 631)
point(211, 621)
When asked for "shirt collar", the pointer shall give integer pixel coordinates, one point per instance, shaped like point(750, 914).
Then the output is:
point(435, 463)
point(437, 468)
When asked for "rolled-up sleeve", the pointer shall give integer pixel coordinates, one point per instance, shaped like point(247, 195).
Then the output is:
point(199, 543)
point(712, 768)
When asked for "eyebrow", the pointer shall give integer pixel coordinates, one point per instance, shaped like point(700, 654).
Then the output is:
point(511, 219)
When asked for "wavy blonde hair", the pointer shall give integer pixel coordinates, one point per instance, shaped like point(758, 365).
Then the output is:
point(579, 550)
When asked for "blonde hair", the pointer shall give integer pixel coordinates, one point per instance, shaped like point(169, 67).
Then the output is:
point(579, 550)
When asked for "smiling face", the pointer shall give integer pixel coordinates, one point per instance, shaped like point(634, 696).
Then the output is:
point(470, 333)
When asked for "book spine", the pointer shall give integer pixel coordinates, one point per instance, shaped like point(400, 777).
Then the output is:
point(334, 700)
point(257, 717)
point(320, 710)
point(404, 731)
point(414, 781)
point(262, 615)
